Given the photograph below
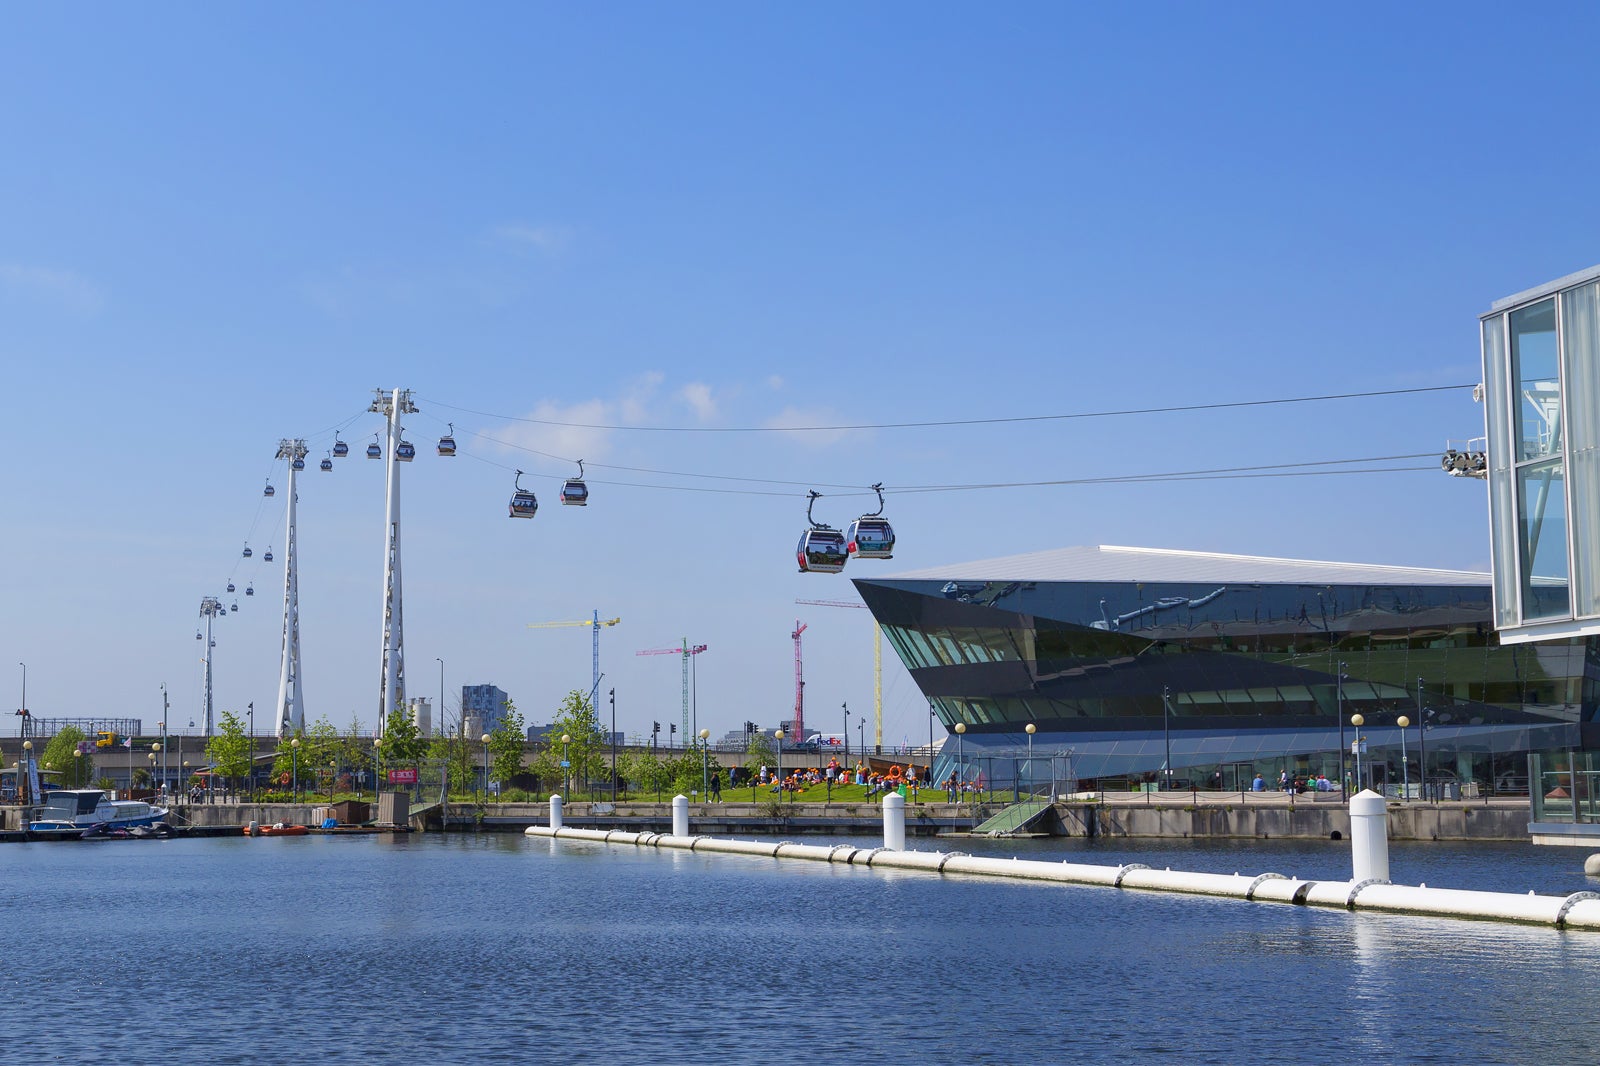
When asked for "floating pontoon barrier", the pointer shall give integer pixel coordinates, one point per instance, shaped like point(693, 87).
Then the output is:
point(1369, 890)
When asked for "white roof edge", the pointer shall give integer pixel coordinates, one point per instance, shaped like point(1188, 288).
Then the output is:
point(1079, 564)
point(1540, 291)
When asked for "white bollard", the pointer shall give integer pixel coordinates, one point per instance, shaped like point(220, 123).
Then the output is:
point(555, 810)
point(1369, 837)
point(894, 822)
point(680, 816)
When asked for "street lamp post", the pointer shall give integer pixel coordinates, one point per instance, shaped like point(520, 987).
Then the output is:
point(77, 768)
point(1166, 736)
point(846, 706)
point(155, 750)
point(613, 695)
point(333, 771)
point(931, 716)
point(777, 734)
point(1355, 745)
point(294, 768)
point(566, 765)
point(377, 770)
point(250, 708)
point(440, 727)
point(1405, 771)
point(705, 763)
point(1031, 729)
point(961, 761)
point(485, 740)
point(1338, 695)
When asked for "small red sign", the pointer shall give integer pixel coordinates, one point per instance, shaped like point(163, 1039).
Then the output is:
point(402, 777)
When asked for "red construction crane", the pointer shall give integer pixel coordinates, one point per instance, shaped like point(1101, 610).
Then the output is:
point(877, 664)
point(799, 685)
point(688, 653)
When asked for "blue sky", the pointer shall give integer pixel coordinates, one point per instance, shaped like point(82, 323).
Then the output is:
point(225, 225)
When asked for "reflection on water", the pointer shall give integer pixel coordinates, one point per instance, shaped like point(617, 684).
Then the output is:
point(462, 948)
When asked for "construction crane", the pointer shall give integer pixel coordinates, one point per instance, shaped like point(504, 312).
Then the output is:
point(688, 652)
point(596, 623)
point(877, 663)
point(799, 685)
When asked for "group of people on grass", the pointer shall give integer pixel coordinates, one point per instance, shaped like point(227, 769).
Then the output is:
point(876, 782)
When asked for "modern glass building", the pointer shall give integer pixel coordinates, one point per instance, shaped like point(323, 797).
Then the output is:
point(1541, 392)
point(483, 708)
point(1222, 666)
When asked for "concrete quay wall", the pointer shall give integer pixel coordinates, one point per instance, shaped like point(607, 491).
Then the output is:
point(1164, 818)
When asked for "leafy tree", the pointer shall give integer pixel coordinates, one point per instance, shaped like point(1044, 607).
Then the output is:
point(321, 744)
point(401, 744)
point(759, 752)
point(457, 753)
point(585, 750)
point(652, 772)
point(76, 770)
point(291, 759)
point(355, 750)
point(229, 749)
point(505, 746)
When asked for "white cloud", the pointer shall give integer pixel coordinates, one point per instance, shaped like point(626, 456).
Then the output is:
point(547, 239)
point(795, 418)
point(774, 382)
point(62, 288)
point(635, 402)
point(573, 439)
point(698, 396)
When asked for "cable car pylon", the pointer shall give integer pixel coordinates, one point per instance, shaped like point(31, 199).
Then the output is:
point(291, 716)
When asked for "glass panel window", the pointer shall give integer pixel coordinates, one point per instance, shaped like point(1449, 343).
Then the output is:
point(1542, 510)
point(1538, 383)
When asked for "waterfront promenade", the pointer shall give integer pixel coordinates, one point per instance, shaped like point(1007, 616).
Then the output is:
point(1173, 815)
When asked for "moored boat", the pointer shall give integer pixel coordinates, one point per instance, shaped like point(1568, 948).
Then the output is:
point(75, 813)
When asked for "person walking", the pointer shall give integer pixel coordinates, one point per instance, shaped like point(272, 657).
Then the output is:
point(716, 787)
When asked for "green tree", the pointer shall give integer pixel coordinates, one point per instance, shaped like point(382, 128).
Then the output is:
point(229, 748)
point(289, 761)
point(585, 748)
point(506, 745)
point(355, 750)
point(76, 770)
point(401, 744)
point(652, 772)
point(759, 752)
point(459, 756)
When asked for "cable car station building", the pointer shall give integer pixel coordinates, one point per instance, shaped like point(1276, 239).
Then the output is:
point(1223, 666)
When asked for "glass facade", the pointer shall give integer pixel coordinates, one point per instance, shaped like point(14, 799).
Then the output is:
point(1130, 675)
point(1541, 376)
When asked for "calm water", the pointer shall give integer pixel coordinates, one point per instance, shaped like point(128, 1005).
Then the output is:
point(505, 949)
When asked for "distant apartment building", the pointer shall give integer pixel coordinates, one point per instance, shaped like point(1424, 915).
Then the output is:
point(483, 708)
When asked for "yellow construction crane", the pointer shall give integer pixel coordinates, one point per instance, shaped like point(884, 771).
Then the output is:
point(596, 623)
point(877, 664)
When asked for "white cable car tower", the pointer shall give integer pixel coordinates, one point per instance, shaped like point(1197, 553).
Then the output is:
point(392, 686)
point(291, 716)
point(210, 607)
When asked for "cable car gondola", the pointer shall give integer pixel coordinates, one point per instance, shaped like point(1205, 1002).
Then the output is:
point(404, 452)
point(871, 536)
point(327, 463)
point(250, 590)
point(524, 504)
point(197, 635)
point(269, 490)
point(235, 606)
point(373, 451)
point(340, 448)
point(230, 586)
point(268, 557)
point(247, 550)
point(575, 493)
point(299, 463)
point(822, 548)
point(447, 443)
